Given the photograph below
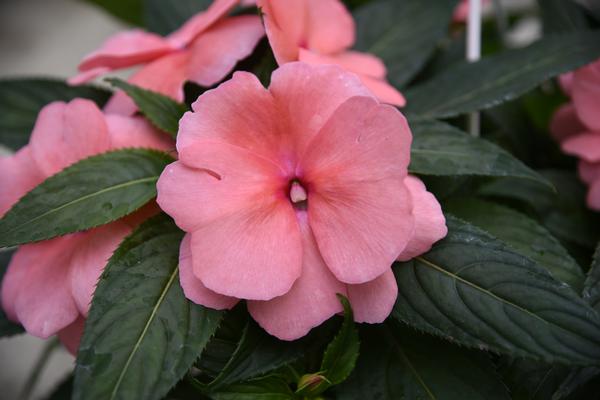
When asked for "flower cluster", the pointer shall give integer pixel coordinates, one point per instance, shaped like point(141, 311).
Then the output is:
point(577, 125)
point(289, 194)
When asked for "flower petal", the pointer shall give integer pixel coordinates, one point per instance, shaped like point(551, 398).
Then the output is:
point(330, 26)
point(589, 172)
point(585, 146)
point(127, 132)
point(93, 251)
point(254, 254)
point(37, 284)
point(166, 75)
point(65, 133)
point(126, 49)
point(285, 26)
point(18, 175)
point(586, 95)
point(216, 51)
point(430, 223)
point(240, 113)
point(565, 122)
point(593, 196)
point(71, 335)
point(193, 288)
point(87, 76)
point(358, 205)
point(200, 22)
point(309, 95)
point(372, 302)
point(311, 301)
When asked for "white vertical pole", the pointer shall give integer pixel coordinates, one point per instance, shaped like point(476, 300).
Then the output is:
point(474, 51)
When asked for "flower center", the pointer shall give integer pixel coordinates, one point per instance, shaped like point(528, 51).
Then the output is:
point(298, 194)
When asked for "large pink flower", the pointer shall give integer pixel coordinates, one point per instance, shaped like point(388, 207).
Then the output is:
point(577, 125)
point(49, 284)
point(203, 50)
point(294, 193)
point(321, 32)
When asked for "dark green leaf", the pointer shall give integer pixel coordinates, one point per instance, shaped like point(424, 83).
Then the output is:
point(92, 192)
point(22, 99)
point(532, 380)
point(441, 149)
point(129, 11)
point(560, 16)
point(63, 391)
point(165, 16)
point(473, 289)
point(266, 388)
point(524, 234)
point(142, 334)
point(575, 381)
point(162, 111)
point(405, 34)
point(7, 327)
point(591, 291)
point(474, 86)
point(397, 363)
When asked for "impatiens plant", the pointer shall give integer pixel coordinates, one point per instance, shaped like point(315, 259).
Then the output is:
point(282, 202)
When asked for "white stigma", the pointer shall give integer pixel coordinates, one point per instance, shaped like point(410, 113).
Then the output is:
point(297, 193)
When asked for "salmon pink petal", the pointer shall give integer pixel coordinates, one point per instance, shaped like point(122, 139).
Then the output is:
point(145, 212)
point(217, 51)
point(430, 223)
point(589, 172)
point(89, 259)
point(18, 175)
point(37, 280)
point(240, 112)
point(88, 75)
point(200, 22)
point(586, 146)
point(593, 196)
point(308, 95)
point(71, 335)
point(586, 95)
point(370, 72)
point(285, 26)
point(565, 122)
point(566, 82)
point(358, 205)
point(166, 75)
point(127, 132)
point(126, 49)
point(254, 254)
point(311, 301)
point(372, 302)
point(193, 287)
point(221, 181)
point(330, 27)
point(65, 133)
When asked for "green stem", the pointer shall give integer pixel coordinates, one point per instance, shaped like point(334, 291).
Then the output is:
point(38, 368)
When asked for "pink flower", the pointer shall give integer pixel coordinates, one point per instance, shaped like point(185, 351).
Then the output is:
point(203, 50)
point(294, 193)
point(577, 125)
point(48, 285)
point(461, 12)
point(321, 32)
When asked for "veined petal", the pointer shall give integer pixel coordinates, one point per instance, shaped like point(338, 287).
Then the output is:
point(565, 122)
point(593, 196)
point(71, 335)
point(128, 132)
point(18, 175)
point(585, 146)
point(589, 172)
point(285, 26)
point(586, 95)
point(372, 302)
point(330, 27)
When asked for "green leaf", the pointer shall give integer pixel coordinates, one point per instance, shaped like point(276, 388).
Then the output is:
point(397, 363)
point(165, 16)
point(339, 358)
point(22, 99)
point(129, 11)
point(63, 391)
point(7, 327)
point(92, 192)
point(162, 111)
point(405, 35)
point(441, 149)
point(532, 380)
point(474, 290)
point(503, 76)
point(560, 16)
point(142, 334)
point(523, 234)
point(591, 290)
point(266, 388)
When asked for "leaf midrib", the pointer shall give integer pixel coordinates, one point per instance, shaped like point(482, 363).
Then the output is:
point(83, 198)
point(413, 370)
point(143, 333)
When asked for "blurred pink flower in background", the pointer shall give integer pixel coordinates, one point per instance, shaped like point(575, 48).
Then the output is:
point(294, 193)
point(48, 285)
point(322, 32)
point(461, 13)
point(204, 50)
point(577, 125)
